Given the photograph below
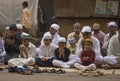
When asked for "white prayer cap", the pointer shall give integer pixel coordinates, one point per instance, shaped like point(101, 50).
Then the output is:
point(112, 23)
point(72, 40)
point(55, 26)
point(86, 29)
point(76, 25)
point(48, 36)
point(7, 28)
point(25, 35)
point(61, 39)
point(19, 26)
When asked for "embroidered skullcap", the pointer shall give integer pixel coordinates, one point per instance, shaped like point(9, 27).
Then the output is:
point(96, 26)
point(72, 40)
point(25, 35)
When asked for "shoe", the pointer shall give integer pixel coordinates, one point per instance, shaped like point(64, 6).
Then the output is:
point(1, 69)
point(60, 71)
point(82, 73)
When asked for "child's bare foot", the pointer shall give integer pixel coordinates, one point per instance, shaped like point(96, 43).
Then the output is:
point(106, 66)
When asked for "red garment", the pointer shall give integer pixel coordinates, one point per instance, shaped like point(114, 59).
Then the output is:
point(91, 57)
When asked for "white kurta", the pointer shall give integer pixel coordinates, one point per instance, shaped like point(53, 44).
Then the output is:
point(113, 51)
point(31, 50)
point(96, 48)
point(46, 51)
point(54, 38)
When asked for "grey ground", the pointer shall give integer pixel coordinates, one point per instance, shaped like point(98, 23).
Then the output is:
point(70, 75)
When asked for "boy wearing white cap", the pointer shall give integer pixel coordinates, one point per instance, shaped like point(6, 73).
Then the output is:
point(46, 52)
point(113, 31)
point(27, 53)
point(54, 28)
point(76, 33)
point(62, 55)
point(86, 32)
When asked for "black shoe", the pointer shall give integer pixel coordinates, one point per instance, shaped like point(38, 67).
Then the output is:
point(1, 69)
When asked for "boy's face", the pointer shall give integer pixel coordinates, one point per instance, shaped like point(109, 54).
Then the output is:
point(62, 45)
point(87, 46)
point(47, 42)
point(25, 42)
point(76, 29)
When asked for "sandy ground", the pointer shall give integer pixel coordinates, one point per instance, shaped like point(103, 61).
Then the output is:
point(70, 75)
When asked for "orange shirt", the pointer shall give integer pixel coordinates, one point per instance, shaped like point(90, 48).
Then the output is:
point(26, 18)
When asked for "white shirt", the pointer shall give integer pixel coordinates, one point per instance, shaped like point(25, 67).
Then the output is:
point(114, 46)
point(31, 50)
point(46, 51)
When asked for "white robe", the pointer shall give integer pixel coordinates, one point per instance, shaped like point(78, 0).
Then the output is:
point(113, 51)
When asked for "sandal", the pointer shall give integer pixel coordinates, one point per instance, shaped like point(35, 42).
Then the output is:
point(36, 70)
point(60, 71)
point(98, 73)
point(82, 73)
point(52, 71)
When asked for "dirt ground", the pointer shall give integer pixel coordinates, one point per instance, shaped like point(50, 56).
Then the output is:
point(70, 75)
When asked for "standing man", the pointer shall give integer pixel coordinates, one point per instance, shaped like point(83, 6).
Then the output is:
point(26, 17)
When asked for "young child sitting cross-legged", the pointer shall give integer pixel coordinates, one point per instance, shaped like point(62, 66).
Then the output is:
point(87, 57)
point(62, 54)
point(46, 52)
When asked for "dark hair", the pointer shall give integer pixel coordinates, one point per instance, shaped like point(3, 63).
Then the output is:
point(13, 27)
point(9, 37)
point(25, 3)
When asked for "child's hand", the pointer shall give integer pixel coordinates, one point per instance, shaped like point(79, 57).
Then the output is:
point(43, 59)
point(22, 47)
point(85, 58)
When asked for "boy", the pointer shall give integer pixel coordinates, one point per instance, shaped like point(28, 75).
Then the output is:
point(46, 52)
point(62, 54)
point(87, 57)
point(27, 53)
